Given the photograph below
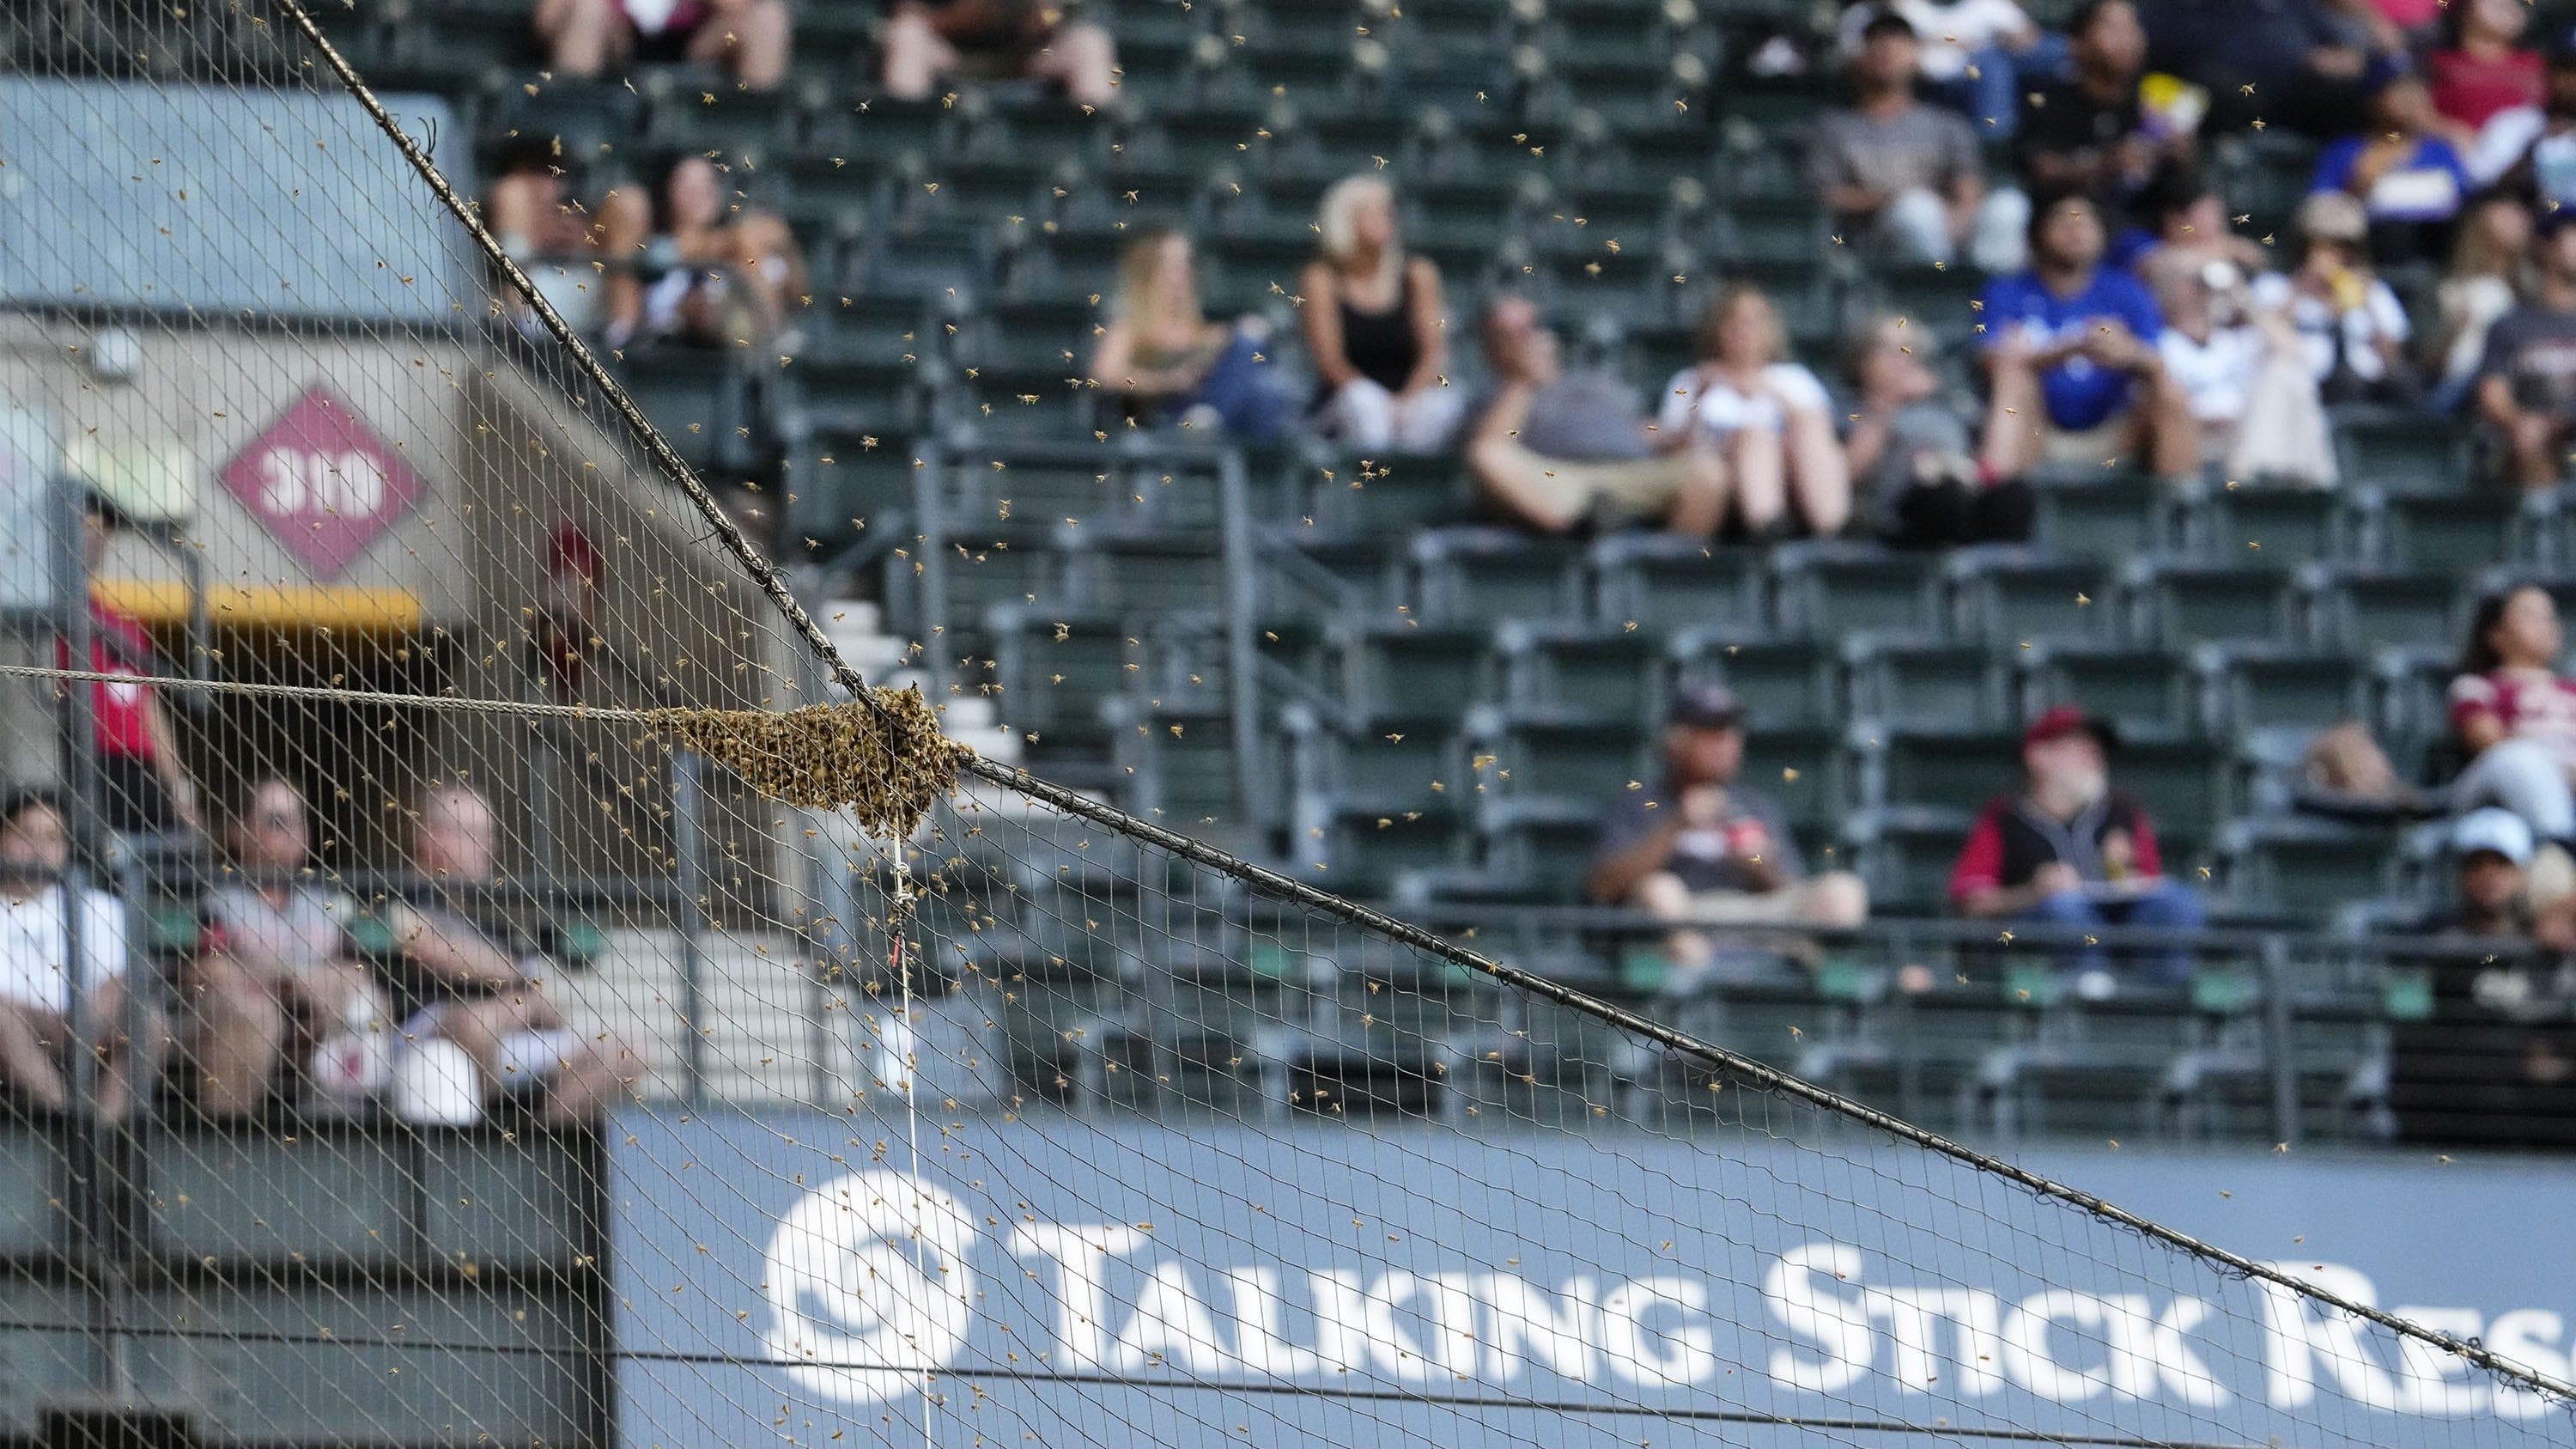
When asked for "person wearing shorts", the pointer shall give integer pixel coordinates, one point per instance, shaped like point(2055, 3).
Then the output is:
point(465, 977)
point(926, 41)
point(39, 982)
point(586, 38)
point(1556, 451)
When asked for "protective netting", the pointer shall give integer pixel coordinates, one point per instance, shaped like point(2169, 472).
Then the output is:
point(474, 971)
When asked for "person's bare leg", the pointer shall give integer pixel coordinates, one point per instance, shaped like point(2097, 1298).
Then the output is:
point(2015, 421)
point(1516, 480)
point(26, 1062)
point(478, 1027)
point(1819, 478)
point(238, 1044)
point(1759, 467)
point(1663, 896)
point(579, 35)
point(1699, 504)
point(915, 55)
point(747, 37)
point(1834, 899)
point(2173, 438)
point(1080, 58)
point(514, 210)
point(122, 1052)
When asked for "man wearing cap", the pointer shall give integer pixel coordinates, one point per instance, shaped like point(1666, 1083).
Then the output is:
point(2496, 1047)
point(2070, 851)
point(1697, 847)
point(2526, 383)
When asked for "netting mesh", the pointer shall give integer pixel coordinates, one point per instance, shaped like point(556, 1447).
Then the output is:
point(472, 973)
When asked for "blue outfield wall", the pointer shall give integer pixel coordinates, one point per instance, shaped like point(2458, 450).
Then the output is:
point(1058, 1281)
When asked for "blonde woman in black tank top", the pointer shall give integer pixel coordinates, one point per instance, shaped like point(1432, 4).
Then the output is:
point(1372, 317)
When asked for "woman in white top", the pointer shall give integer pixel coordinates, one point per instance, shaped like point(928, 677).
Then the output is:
point(1769, 419)
point(2350, 324)
point(37, 972)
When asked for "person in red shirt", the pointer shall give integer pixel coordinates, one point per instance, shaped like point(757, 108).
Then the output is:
point(2514, 714)
point(2070, 851)
point(2482, 69)
point(147, 790)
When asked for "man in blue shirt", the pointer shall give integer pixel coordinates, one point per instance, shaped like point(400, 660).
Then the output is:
point(2070, 352)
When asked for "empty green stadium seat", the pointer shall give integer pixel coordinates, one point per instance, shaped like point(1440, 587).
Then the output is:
point(1387, 498)
point(1544, 845)
point(1919, 765)
point(1829, 589)
point(2180, 602)
point(2100, 513)
point(1909, 680)
point(1057, 667)
point(1403, 671)
point(1784, 683)
point(2357, 607)
point(2275, 686)
point(2459, 531)
point(2006, 595)
point(1667, 585)
point(2137, 686)
point(696, 397)
point(1905, 854)
point(1582, 766)
point(2284, 523)
point(1585, 672)
point(2302, 867)
point(1804, 769)
point(2400, 450)
point(1140, 575)
point(1486, 575)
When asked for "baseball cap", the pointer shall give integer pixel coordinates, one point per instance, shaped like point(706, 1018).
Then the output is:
point(2067, 719)
point(1706, 707)
point(2494, 830)
point(2333, 216)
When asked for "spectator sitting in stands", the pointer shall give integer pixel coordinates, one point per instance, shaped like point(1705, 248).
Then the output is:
point(2514, 714)
point(2069, 851)
point(1768, 417)
point(2409, 178)
point(2301, 63)
point(145, 786)
point(2481, 285)
point(1559, 450)
point(2244, 368)
point(474, 981)
point(1903, 176)
point(1976, 53)
point(926, 40)
point(720, 273)
point(2526, 382)
point(586, 38)
point(2070, 352)
point(2500, 1008)
point(2188, 229)
point(2089, 133)
point(1910, 451)
point(2351, 326)
point(1374, 328)
point(2482, 75)
point(1171, 362)
point(1700, 850)
point(2544, 164)
point(535, 213)
point(283, 977)
point(36, 976)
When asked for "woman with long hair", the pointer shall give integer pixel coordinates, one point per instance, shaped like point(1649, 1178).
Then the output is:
point(1372, 316)
point(1768, 417)
point(1162, 353)
point(2485, 280)
point(2514, 713)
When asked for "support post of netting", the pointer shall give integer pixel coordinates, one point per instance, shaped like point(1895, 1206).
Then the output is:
point(89, 1137)
point(688, 846)
point(2280, 1044)
point(930, 580)
point(1242, 656)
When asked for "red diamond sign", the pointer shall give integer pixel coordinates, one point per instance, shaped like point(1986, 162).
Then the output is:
point(323, 482)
